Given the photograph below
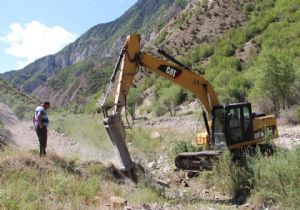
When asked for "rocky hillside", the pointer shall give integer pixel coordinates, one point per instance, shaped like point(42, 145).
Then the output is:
point(236, 43)
point(83, 67)
point(21, 103)
point(97, 44)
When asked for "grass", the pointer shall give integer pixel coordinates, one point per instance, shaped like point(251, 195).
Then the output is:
point(272, 180)
point(87, 130)
point(142, 142)
point(277, 179)
point(28, 182)
point(54, 182)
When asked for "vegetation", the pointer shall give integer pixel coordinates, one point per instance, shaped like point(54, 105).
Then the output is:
point(181, 3)
point(274, 79)
point(168, 96)
point(272, 180)
point(54, 182)
point(269, 76)
point(272, 73)
point(91, 135)
point(22, 104)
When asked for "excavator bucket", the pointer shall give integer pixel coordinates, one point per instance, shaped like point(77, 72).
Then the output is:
point(116, 130)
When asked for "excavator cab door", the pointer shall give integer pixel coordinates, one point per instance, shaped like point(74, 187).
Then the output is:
point(231, 124)
point(238, 123)
point(218, 134)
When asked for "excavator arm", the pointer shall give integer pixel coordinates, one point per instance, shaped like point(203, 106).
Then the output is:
point(129, 60)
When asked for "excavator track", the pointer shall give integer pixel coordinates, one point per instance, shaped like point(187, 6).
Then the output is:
point(196, 161)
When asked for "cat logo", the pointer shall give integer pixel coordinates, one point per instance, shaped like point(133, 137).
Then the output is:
point(169, 70)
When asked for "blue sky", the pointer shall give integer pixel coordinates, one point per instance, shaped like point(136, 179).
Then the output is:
point(30, 29)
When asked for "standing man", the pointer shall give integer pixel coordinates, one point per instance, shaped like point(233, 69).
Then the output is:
point(40, 120)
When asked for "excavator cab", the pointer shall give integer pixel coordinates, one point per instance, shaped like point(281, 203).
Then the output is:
point(231, 124)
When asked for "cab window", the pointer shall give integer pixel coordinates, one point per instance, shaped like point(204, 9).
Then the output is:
point(235, 126)
point(219, 128)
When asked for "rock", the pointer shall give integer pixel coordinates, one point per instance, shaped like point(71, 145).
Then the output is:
point(155, 135)
point(106, 206)
point(246, 205)
point(164, 183)
point(166, 169)
point(146, 206)
point(205, 191)
point(117, 203)
point(191, 174)
point(152, 165)
point(185, 184)
point(161, 159)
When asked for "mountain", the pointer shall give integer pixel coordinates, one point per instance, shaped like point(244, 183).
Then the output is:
point(84, 66)
point(101, 42)
point(22, 104)
point(224, 39)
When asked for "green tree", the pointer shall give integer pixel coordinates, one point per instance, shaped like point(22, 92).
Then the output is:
point(134, 98)
point(239, 87)
point(171, 97)
point(274, 79)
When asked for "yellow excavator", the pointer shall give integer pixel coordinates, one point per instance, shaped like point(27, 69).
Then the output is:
point(234, 126)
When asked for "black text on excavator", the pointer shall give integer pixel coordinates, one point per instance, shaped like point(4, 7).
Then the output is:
point(233, 126)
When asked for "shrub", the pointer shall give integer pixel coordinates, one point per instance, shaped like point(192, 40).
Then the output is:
point(269, 179)
point(277, 179)
point(160, 110)
point(248, 8)
point(234, 179)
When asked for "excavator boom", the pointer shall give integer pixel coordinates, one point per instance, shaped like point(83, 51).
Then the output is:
point(231, 125)
point(129, 60)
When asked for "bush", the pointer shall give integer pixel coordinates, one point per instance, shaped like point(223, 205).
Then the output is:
point(270, 179)
point(277, 179)
point(235, 180)
point(225, 48)
point(160, 110)
point(248, 8)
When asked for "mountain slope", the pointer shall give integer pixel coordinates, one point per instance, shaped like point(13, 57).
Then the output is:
point(98, 43)
point(84, 66)
point(21, 103)
point(224, 39)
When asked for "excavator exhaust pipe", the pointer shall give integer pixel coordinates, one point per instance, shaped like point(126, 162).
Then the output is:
point(116, 130)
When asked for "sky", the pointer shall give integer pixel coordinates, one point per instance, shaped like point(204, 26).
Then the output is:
point(30, 29)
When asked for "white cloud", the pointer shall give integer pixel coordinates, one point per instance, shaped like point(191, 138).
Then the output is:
point(35, 40)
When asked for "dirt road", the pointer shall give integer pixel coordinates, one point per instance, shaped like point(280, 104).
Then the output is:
point(22, 134)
